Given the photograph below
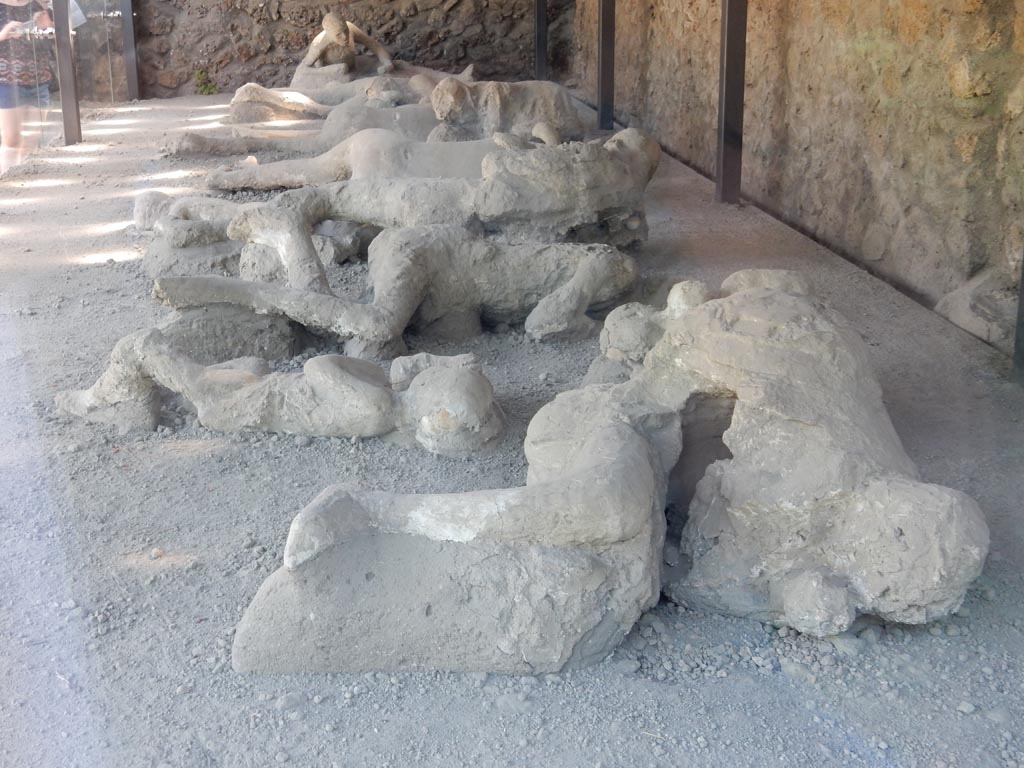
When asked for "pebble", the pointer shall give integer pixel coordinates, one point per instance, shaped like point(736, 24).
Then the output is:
point(156, 553)
point(965, 707)
point(303, 441)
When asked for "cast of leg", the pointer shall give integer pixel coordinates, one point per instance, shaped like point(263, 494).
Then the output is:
point(373, 152)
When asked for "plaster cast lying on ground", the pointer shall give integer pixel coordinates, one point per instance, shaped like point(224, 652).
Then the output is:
point(478, 110)
point(190, 238)
point(374, 152)
point(541, 578)
point(407, 84)
point(445, 401)
point(817, 514)
point(470, 111)
point(435, 279)
point(815, 517)
point(413, 121)
point(254, 103)
point(581, 191)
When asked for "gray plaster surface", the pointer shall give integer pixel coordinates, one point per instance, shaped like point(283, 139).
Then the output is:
point(126, 561)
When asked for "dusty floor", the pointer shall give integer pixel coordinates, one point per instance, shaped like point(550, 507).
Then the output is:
point(113, 654)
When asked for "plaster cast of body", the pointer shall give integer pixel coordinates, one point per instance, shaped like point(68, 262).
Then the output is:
point(477, 110)
point(336, 46)
point(815, 516)
point(406, 84)
point(254, 103)
point(580, 191)
point(460, 111)
point(442, 280)
point(446, 402)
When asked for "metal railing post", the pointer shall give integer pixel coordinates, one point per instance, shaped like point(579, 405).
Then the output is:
point(606, 65)
point(733, 58)
point(1018, 339)
point(540, 39)
point(67, 76)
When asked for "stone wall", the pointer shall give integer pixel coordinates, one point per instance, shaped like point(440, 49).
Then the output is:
point(890, 129)
point(239, 41)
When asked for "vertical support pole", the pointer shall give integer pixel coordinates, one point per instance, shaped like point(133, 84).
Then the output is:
point(728, 169)
point(67, 77)
point(606, 65)
point(1018, 340)
point(131, 62)
point(540, 39)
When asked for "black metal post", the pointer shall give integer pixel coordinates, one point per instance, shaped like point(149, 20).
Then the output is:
point(606, 65)
point(131, 62)
point(728, 170)
point(67, 77)
point(1018, 339)
point(540, 39)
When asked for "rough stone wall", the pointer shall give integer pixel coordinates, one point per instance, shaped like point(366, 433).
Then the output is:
point(239, 41)
point(890, 129)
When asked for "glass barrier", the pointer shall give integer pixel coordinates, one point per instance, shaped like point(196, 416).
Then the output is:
point(35, 89)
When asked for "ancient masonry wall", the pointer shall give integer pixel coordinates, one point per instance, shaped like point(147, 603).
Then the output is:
point(239, 41)
point(890, 129)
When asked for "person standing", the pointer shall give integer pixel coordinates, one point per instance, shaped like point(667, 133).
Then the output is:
point(24, 77)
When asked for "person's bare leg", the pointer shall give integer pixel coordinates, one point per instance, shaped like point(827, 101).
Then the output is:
point(10, 138)
point(31, 130)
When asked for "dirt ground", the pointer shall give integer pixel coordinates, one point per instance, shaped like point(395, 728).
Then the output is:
point(126, 561)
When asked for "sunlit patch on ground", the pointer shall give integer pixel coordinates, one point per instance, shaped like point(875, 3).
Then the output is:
point(168, 175)
point(19, 202)
point(106, 229)
point(37, 183)
point(82, 149)
point(156, 559)
point(102, 257)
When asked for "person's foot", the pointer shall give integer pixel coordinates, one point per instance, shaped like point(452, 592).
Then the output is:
point(126, 415)
point(558, 316)
point(224, 177)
